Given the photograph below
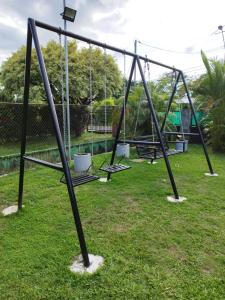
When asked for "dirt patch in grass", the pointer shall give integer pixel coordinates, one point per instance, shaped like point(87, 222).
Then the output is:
point(120, 228)
point(177, 253)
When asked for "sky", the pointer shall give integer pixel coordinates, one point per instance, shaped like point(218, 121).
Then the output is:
point(176, 30)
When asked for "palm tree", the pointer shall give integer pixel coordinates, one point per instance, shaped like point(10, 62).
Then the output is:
point(139, 119)
point(211, 88)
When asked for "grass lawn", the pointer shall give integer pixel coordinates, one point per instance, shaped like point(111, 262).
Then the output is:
point(41, 143)
point(153, 249)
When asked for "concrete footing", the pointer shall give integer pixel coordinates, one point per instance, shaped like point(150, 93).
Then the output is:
point(10, 210)
point(137, 160)
point(174, 200)
point(95, 263)
point(152, 163)
point(103, 179)
point(209, 174)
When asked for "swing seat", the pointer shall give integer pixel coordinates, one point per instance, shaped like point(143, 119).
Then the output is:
point(168, 152)
point(114, 168)
point(154, 153)
point(81, 179)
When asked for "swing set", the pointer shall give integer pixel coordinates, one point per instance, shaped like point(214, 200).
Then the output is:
point(112, 167)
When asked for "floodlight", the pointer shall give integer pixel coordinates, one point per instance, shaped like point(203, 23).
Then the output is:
point(69, 14)
point(220, 27)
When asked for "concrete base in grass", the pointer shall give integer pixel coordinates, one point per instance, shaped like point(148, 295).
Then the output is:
point(103, 179)
point(95, 263)
point(10, 210)
point(3, 175)
point(209, 174)
point(152, 163)
point(137, 160)
point(174, 200)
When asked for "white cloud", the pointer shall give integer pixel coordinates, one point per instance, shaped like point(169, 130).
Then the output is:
point(12, 22)
point(180, 26)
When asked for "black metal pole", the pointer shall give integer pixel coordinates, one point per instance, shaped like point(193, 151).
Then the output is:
point(122, 114)
point(135, 51)
point(170, 102)
point(152, 110)
point(197, 125)
point(60, 145)
point(96, 43)
point(25, 114)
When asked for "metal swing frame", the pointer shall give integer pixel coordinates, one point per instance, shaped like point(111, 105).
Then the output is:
point(153, 153)
point(32, 36)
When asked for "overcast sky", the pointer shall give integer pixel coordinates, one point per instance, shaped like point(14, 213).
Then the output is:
point(181, 27)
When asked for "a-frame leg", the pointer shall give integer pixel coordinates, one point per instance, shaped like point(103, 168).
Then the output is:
point(122, 114)
point(152, 111)
point(170, 102)
point(25, 115)
point(61, 148)
point(198, 127)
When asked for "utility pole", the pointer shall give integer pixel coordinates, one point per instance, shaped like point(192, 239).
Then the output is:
point(135, 51)
point(68, 14)
point(220, 28)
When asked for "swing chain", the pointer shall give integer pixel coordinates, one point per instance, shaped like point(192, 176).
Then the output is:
point(62, 91)
point(124, 95)
point(105, 96)
point(90, 97)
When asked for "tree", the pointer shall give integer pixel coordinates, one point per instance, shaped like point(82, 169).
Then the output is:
point(100, 65)
point(138, 118)
point(80, 63)
point(139, 114)
point(12, 76)
point(210, 92)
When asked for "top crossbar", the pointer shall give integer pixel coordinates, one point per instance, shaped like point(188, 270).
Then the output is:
point(59, 30)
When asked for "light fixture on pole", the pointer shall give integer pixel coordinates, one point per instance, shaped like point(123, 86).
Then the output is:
point(218, 31)
point(68, 14)
point(220, 27)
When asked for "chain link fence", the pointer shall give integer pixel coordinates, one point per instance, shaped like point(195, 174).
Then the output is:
point(87, 125)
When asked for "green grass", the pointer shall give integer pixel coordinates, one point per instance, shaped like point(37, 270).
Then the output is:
point(41, 143)
point(153, 249)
